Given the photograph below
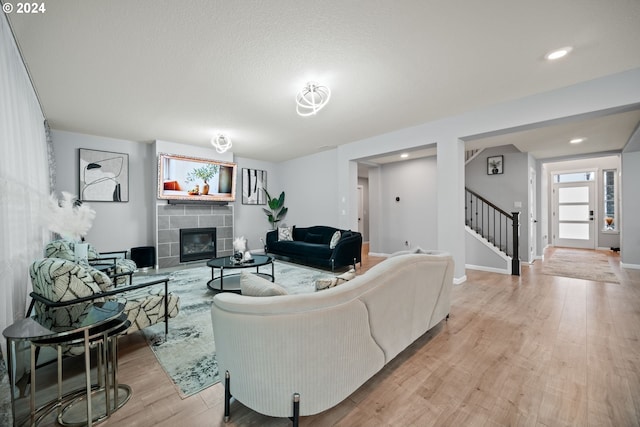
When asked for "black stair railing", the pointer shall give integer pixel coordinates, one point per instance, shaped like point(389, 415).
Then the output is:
point(497, 226)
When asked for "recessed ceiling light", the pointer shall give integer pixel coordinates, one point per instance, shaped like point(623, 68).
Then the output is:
point(558, 53)
point(404, 155)
point(576, 140)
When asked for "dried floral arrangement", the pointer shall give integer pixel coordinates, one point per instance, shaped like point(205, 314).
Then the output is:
point(69, 217)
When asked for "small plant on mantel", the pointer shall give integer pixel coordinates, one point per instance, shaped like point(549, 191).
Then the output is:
point(276, 211)
point(205, 173)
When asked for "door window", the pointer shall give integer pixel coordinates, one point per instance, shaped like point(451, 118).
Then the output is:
point(574, 211)
point(609, 180)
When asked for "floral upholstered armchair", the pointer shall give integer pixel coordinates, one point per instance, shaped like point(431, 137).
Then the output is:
point(62, 283)
point(113, 263)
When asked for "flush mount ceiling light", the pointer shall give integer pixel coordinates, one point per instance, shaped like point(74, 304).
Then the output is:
point(221, 142)
point(312, 98)
point(558, 53)
point(576, 140)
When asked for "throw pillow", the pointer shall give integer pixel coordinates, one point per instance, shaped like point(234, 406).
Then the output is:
point(255, 286)
point(102, 280)
point(335, 281)
point(348, 275)
point(313, 238)
point(334, 240)
point(285, 233)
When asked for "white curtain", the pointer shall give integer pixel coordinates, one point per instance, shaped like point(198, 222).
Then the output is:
point(24, 180)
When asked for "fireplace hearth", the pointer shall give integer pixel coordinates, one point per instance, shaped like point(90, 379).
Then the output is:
point(197, 244)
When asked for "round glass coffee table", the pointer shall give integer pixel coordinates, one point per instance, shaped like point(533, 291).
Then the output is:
point(231, 282)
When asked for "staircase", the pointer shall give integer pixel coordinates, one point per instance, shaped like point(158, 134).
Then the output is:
point(494, 227)
point(471, 154)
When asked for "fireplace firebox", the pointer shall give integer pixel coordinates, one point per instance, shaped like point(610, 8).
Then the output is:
point(197, 244)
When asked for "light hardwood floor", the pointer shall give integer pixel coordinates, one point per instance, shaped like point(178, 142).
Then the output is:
point(534, 350)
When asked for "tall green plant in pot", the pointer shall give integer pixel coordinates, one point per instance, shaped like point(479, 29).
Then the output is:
point(276, 211)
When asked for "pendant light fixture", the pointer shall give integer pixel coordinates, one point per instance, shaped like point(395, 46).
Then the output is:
point(312, 98)
point(221, 142)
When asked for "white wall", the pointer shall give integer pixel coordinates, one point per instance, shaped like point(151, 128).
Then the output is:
point(630, 239)
point(117, 226)
point(310, 185)
point(504, 190)
point(364, 182)
point(481, 257)
point(250, 220)
point(413, 219)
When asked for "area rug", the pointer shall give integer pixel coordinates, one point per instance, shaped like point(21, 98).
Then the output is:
point(580, 264)
point(188, 354)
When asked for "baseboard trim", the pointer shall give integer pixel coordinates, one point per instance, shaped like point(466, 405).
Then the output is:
point(630, 266)
point(459, 280)
point(488, 269)
point(378, 254)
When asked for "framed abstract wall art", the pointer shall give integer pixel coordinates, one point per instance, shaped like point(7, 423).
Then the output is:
point(254, 181)
point(104, 176)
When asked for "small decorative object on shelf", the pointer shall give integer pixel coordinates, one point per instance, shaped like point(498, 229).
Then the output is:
point(237, 257)
point(239, 249)
point(195, 191)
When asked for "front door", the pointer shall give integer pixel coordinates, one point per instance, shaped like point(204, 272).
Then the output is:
point(573, 214)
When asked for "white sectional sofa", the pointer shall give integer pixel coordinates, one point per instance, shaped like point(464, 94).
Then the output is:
point(296, 355)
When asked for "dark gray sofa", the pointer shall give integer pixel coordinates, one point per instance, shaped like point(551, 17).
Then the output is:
point(310, 245)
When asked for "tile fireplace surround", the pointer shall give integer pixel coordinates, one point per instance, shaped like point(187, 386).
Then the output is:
point(171, 218)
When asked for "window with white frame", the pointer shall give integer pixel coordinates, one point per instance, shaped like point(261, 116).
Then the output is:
point(609, 184)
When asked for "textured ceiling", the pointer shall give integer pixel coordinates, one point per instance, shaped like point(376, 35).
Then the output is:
point(182, 70)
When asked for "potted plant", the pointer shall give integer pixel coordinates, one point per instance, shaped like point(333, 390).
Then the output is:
point(277, 210)
point(609, 221)
point(495, 164)
point(205, 173)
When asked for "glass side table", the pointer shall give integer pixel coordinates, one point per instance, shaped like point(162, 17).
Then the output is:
point(92, 323)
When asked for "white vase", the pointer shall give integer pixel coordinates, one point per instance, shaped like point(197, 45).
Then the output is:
point(81, 252)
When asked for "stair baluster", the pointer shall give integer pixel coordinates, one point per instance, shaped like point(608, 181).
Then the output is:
point(493, 232)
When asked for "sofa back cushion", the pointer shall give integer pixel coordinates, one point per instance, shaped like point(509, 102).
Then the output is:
point(325, 233)
point(313, 238)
